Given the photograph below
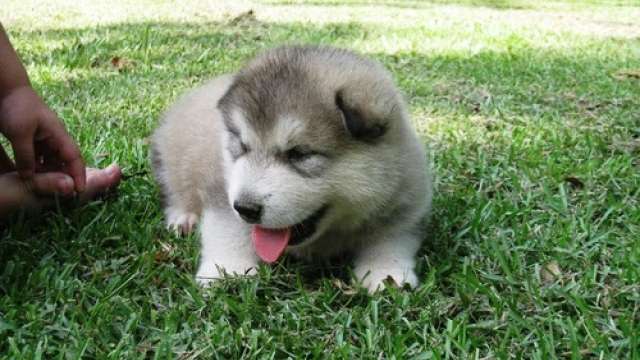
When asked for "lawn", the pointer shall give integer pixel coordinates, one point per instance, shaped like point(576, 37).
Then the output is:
point(532, 113)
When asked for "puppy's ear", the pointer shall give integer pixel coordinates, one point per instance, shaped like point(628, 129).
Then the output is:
point(356, 121)
point(225, 100)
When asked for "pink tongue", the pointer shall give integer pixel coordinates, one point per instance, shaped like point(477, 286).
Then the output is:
point(270, 243)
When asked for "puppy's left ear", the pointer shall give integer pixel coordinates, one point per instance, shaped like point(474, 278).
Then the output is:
point(225, 100)
point(362, 126)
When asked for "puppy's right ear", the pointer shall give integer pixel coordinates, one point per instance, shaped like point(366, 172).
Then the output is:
point(356, 122)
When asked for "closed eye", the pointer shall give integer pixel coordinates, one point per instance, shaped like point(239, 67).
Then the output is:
point(244, 147)
point(235, 146)
point(307, 162)
point(299, 153)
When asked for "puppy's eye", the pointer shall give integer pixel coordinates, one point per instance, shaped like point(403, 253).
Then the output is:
point(236, 147)
point(298, 153)
point(306, 161)
point(243, 147)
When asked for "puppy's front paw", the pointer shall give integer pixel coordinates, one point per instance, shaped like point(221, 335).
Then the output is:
point(375, 279)
point(209, 272)
point(180, 221)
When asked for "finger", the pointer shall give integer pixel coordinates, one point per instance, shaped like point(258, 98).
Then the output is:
point(101, 180)
point(47, 160)
point(68, 152)
point(17, 193)
point(25, 156)
point(14, 194)
point(78, 172)
point(6, 165)
point(51, 183)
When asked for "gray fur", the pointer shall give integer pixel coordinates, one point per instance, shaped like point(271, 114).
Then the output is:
point(298, 128)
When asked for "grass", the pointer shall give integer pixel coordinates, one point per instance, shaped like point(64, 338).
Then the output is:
point(534, 122)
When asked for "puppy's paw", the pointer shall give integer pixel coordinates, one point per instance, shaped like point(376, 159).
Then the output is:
point(180, 221)
point(209, 272)
point(375, 279)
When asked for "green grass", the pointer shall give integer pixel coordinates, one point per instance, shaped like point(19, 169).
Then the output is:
point(535, 135)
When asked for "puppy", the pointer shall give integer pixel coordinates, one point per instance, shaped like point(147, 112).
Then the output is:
point(306, 150)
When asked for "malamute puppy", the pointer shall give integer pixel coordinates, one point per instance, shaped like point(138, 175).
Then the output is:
point(308, 151)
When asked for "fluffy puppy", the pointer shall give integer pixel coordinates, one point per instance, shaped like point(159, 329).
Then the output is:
point(306, 150)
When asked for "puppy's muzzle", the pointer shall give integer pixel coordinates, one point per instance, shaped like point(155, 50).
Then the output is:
point(249, 211)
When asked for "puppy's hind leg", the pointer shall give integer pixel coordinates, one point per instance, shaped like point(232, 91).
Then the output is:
point(226, 247)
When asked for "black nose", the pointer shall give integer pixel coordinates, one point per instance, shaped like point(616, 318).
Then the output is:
point(250, 212)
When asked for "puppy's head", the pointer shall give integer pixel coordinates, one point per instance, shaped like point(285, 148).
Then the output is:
point(311, 140)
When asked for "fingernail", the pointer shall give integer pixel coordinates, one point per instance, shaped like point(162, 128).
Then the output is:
point(112, 169)
point(65, 185)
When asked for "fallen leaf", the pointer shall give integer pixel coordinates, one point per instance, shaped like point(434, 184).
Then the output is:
point(244, 17)
point(120, 63)
point(127, 175)
point(550, 272)
point(161, 257)
point(144, 347)
point(102, 155)
point(338, 283)
point(627, 74)
point(343, 287)
point(589, 105)
point(116, 61)
point(575, 182)
point(625, 145)
point(165, 253)
point(605, 297)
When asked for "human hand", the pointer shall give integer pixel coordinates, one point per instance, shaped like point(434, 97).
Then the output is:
point(39, 140)
point(16, 193)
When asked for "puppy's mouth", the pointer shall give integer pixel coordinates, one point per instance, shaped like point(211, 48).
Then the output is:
point(271, 243)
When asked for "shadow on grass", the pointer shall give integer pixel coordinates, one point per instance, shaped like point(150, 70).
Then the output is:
point(121, 77)
point(162, 59)
point(158, 44)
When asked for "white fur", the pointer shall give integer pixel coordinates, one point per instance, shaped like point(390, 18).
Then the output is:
point(359, 183)
point(180, 221)
point(225, 245)
point(390, 254)
point(287, 197)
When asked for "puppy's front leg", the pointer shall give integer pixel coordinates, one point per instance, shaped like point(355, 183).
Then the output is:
point(388, 255)
point(226, 244)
